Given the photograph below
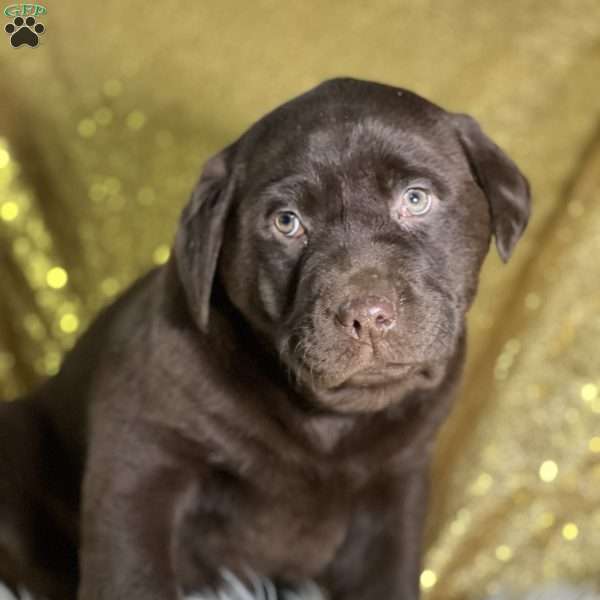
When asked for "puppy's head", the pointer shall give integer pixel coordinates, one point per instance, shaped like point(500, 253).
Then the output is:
point(348, 228)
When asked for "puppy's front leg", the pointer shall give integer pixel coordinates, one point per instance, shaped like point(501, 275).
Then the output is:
point(381, 556)
point(131, 506)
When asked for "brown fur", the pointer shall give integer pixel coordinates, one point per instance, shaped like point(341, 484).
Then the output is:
point(242, 407)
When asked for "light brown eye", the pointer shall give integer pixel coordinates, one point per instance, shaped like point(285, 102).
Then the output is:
point(288, 224)
point(417, 201)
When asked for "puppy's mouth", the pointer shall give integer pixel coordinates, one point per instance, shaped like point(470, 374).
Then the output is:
point(372, 375)
point(360, 366)
point(379, 374)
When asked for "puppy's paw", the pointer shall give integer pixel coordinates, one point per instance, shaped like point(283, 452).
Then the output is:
point(6, 594)
point(307, 591)
point(260, 588)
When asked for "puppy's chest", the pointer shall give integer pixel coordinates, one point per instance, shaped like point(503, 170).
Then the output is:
point(291, 529)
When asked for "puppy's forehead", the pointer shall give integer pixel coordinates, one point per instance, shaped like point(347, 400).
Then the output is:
point(344, 120)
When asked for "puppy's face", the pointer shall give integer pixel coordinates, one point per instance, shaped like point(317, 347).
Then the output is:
point(354, 238)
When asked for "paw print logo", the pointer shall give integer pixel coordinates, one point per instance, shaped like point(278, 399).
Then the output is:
point(24, 32)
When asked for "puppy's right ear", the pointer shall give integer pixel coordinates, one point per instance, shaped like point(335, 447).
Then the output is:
point(200, 235)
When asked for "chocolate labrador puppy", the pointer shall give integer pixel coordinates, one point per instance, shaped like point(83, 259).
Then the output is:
point(267, 402)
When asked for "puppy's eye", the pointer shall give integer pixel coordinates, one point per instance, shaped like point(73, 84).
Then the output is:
point(417, 201)
point(288, 224)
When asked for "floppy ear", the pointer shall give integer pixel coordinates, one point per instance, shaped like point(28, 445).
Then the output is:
point(200, 235)
point(504, 185)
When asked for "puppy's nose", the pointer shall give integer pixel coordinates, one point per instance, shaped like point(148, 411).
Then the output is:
point(368, 316)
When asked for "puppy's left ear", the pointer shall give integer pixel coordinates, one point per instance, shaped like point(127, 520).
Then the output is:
point(200, 234)
point(504, 185)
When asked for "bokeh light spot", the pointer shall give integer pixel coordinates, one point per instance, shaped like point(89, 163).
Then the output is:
point(428, 579)
point(482, 484)
point(112, 88)
point(504, 553)
point(546, 520)
point(109, 287)
point(532, 301)
point(4, 158)
point(9, 211)
point(52, 362)
point(69, 323)
point(161, 254)
point(589, 392)
point(136, 120)
point(570, 531)
point(548, 471)
point(57, 278)
point(86, 128)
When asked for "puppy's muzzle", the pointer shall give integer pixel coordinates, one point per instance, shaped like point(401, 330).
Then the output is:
point(366, 318)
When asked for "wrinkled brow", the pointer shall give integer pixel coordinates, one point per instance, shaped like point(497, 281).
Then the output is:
point(290, 186)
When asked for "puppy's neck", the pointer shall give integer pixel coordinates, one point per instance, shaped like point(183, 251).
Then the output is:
point(326, 431)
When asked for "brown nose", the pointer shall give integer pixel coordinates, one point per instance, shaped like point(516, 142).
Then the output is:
point(367, 316)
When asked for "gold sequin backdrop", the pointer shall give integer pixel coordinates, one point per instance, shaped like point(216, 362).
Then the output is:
point(103, 129)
